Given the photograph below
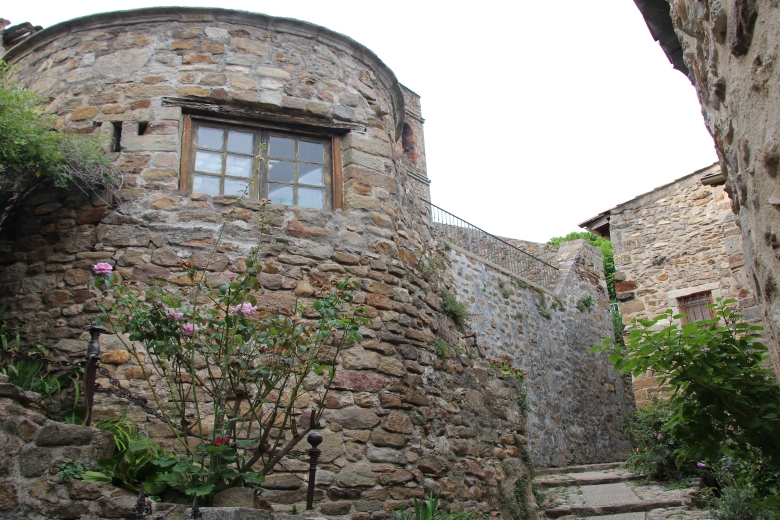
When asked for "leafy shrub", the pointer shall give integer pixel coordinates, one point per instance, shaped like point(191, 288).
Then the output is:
point(134, 461)
point(256, 362)
point(31, 151)
point(453, 308)
point(724, 400)
point(738, 501)
point(652, 441)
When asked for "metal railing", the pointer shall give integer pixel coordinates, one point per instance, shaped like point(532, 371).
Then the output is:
point(467, 236)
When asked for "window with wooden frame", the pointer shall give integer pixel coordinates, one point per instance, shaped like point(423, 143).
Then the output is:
point(287, 168)
point(695, 306)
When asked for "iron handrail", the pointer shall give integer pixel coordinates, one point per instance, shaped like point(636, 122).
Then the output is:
point(478, 241)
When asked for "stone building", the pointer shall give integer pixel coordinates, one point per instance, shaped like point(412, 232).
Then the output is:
point(201, 101)
point(728, 50)
point(676, 247)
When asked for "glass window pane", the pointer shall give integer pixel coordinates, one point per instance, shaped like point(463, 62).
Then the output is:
point(281, 171)
point(208, 162)
point(280, 194)
point(311, 198)
point(235, 186)
point(210, 137)
point(238, 165)
point(311, 152)
point(310, 174)
point(240, 142)
point(205, 184)
point(281, 147)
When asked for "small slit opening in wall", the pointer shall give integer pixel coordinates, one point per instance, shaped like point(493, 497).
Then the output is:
point(142, 126)
point(116, 136)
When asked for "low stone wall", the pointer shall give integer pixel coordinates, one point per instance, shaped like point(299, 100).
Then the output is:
point(577, 402)
point(31, 450)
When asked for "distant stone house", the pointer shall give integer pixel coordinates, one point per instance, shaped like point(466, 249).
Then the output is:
point(677, 247)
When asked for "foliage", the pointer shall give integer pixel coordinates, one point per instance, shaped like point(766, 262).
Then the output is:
point(453, 308)
point(423, 510)
point(748, 486)
point(520, 283)
point(440, 348)
point(122, 428)
point(653, 444)
point(617, 324)
point(585, 303)
point(544, 313)
point(724, 401)
point(134, 459)
point(606, 254)
point(251, 364)
point(504, 364)
point(557, 304)
point(29, 368)
point(71, 470)
point(31, 151)
point(135, 465)
point(519, 315)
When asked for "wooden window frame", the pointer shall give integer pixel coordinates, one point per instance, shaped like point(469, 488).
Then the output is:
point(333, 180)
point(695, 302)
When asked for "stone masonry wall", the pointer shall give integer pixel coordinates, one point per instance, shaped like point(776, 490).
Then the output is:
point(411, 146)
point(400, 422)
point(577, 400)
point(32, 448)
point(677, 240)
point(731, 49)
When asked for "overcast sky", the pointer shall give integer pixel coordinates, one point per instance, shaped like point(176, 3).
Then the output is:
point(539, 115)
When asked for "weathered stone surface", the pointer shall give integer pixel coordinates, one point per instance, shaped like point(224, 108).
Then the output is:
point(356, 476)
point(55, 434)
point(14, 392)
point(359, 381)
point(353, 418)
point(238, 497)
point(384, 455)
point(359, 359)
point(83, 490)
point(432, 464)
point(383, 438)
point(398, 422)
point(34, 462)
point(229, 513)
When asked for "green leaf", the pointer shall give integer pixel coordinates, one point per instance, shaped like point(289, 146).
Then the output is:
point(203, 489)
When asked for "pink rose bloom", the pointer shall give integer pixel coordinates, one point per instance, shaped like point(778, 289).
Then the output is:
point(660, 437)
point(219, 441)
point(245, 309)
point(102, 268)
point(173, 314)
point(189, 328)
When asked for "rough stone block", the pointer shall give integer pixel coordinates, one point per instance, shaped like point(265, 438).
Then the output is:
point(56, 434)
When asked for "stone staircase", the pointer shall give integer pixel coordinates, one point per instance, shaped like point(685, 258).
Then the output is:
point(609, 492)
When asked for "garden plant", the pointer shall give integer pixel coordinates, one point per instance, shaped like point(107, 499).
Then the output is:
point(232, 378)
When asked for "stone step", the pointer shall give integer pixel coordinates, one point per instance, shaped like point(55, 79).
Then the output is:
point(579, 469)
point(585, 511)
point(587, 479)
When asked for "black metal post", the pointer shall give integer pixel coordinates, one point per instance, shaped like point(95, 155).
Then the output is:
point(141, 507)
point(195, 508)
point(315, 439)
point(90, 371)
